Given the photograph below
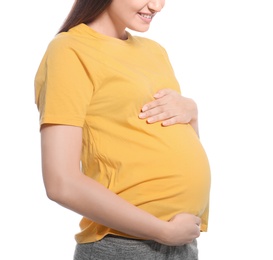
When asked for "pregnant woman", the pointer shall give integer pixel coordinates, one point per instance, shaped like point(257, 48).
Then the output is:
point(119, 142)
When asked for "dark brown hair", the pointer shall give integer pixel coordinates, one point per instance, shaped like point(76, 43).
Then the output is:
point(84, 11)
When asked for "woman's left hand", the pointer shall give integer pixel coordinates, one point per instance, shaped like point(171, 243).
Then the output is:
point(170, 108)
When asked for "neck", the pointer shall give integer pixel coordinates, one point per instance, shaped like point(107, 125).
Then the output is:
point(104, 25)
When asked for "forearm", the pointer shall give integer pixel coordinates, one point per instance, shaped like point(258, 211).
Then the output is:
point(88, 198)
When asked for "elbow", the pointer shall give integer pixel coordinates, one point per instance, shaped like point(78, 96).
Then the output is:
point(52, 194)
point(55, 190)
point(59, 182)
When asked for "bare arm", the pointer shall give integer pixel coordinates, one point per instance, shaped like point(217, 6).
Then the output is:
point(68, 186)
point(171, 108)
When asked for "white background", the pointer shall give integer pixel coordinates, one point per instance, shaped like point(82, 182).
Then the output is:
point(223, 57)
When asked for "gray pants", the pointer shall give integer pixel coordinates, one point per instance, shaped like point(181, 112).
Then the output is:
point(119, 248)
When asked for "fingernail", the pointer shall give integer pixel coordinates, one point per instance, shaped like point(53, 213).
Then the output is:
point(141, 115)
point(144, 108)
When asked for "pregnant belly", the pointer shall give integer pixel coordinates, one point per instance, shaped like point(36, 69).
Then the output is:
point(173, 177)
point(178, 189)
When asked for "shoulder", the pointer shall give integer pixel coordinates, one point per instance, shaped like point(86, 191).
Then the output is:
point(151, 44)
point(152, 47)
point(63, 46)
point(148, 41)
point(61, 42)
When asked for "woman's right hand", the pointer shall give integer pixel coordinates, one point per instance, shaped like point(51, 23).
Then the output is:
point(182, 229)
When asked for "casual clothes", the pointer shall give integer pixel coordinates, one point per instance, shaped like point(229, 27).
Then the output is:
point(118, 248)
point(100, 83)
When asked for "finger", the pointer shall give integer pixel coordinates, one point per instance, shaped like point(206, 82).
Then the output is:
point(152, 116)
point(161, 93)
point(154, 104)
point(198, 221)
point(170, 121)
point(162, 97)
point(158, 113)
point(167, 118)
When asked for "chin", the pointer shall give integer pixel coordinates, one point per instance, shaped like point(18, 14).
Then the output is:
point(139, 28)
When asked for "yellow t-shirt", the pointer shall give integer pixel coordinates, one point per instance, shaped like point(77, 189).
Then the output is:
point(100, 83)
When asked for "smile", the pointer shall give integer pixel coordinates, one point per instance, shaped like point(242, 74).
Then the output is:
point(147, 16)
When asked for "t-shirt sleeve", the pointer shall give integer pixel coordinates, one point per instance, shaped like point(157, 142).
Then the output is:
point(63, 87)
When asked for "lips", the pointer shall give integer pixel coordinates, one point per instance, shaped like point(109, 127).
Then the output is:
point(147, 16)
